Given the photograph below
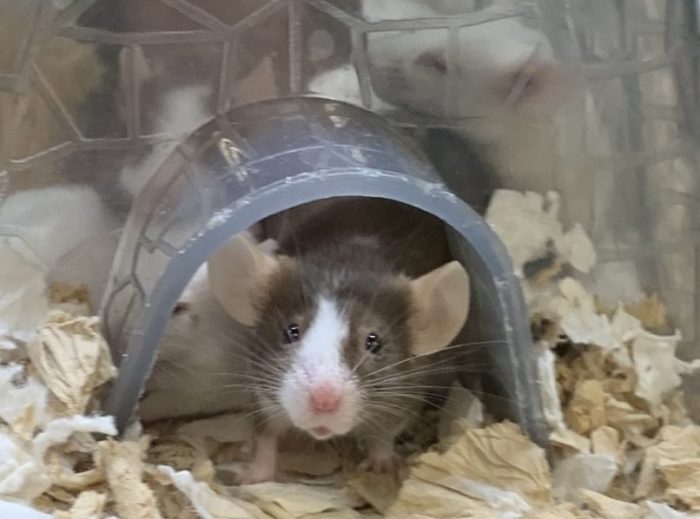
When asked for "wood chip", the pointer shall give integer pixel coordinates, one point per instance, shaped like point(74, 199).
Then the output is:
point(72, 358)
point(123, 462)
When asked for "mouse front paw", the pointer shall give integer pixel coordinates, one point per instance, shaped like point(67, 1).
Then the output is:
point(381, 456)
point(381, 461)
point(263, 468)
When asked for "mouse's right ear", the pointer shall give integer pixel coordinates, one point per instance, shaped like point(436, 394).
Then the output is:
point(237, 273)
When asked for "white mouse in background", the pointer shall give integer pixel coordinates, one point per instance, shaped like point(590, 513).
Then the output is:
point(501, 65)
point(39, 227)
point(181, 110)
point(54, 220)
point(409, 68)
point(508, 84)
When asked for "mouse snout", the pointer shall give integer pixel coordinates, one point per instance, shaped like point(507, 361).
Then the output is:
point(324, 398)
point(321, 406)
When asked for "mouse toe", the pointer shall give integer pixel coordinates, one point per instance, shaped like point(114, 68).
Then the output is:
point(380, 465)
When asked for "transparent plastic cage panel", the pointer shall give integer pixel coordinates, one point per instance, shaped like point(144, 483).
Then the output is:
point(135, 16)
point(194, 66)
point(222, 12)
point(17, 24)
point(90, 86)
point(327, 42)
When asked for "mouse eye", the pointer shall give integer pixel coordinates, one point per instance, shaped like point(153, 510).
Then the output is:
point(291, 334)
point(373, 343)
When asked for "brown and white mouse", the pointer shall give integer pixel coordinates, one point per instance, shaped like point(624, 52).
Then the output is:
point(343, 314)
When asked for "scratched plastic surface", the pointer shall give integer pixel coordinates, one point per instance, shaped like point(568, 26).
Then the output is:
point(633, 182)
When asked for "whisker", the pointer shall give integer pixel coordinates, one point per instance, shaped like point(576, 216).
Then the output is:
point(448, 348)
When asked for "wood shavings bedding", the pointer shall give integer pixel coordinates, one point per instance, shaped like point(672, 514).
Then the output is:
point(622, 444)
point(485, 472)
point(72, 358)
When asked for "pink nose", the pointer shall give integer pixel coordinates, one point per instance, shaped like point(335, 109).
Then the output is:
point(324, 398)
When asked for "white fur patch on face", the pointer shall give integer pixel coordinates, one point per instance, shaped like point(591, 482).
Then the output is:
point(322, 343)
point(318, 361)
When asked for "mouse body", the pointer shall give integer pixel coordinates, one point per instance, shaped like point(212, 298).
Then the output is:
point(344, 314)
point(497, 96)
point(201, 360)
point(501, 92)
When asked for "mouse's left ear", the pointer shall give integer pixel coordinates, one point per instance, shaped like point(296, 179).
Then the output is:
point(238, 272)
point(441, 298)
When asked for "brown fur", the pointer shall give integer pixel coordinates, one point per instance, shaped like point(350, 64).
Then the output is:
point(412, 241)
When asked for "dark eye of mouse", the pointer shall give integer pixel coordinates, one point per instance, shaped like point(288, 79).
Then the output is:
point(291, 334)
point(373, 343)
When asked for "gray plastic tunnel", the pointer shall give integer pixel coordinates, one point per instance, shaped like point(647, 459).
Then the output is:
point(259, 159)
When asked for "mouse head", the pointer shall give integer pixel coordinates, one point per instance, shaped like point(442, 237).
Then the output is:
point(500, 68)
point(333, 338)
